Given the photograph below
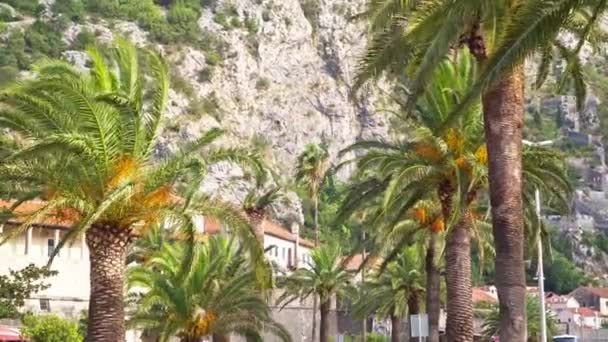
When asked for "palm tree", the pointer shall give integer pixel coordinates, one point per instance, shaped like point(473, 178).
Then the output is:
point(500, 35)
point(395, 292)
point(443, 159)
point(87, 149)
point(311, 172)
point(256, 205)
point(326, 278)
point(491, 325)
point(217, 297)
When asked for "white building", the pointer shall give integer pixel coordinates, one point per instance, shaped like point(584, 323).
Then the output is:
point(68, 293)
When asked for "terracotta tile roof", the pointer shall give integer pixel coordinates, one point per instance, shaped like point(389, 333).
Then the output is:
point(482, 296)
point(277, 231)
point(29, 207)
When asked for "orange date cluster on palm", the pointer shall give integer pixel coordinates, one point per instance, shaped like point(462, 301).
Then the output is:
point(425, 218)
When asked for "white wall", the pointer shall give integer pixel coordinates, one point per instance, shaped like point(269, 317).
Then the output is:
point(281, 252)
point(69, 290)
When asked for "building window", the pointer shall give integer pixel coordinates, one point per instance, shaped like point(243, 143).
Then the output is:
point(51, 246)
point(276, 252)
point(283, 253)
point(289, 257)
point(45, 304)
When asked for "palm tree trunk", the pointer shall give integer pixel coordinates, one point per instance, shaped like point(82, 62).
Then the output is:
point(395, 328)
point(107, 255)
point(315, 303)
point(413, 307)
point(324, 328)
point(433, 288)
point(458, 279)
point(256, 222)
point(503, 106)
point(220, 338)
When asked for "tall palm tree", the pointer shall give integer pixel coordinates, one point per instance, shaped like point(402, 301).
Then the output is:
point(444, 160)
point(448, 156)
point(311, 172)
point(395, 292)
point(87, 149)
point(500, 35)
point(217, 297)
point(326, 278)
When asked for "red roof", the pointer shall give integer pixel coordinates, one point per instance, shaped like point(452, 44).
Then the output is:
point(277, 231)
point(482, 296)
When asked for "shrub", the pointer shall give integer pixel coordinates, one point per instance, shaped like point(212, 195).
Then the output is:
point(252, 25)
point(205, 74)
point(72, 9)
point(262, 84)
point(7, 74)
point(83, 39)
point(209, 105)
point(183, 18)
point(50, 328)
point(181, 84)
point(31, 7)
point(213, 58)
point(45, 39)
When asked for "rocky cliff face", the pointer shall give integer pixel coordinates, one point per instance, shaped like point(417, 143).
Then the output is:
point(280, 85)
point(286, 85)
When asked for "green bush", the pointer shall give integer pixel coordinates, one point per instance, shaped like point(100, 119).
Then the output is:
point(7, 74)
point(183, 19)
point(262, 84)
point(83, 39)
point(252, 25)
point(30, 7)
point(205, 74)
point(72, 9)
point(6, 15)
point(50, 328)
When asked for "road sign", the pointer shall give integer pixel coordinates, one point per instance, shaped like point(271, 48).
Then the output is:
point(419, 325)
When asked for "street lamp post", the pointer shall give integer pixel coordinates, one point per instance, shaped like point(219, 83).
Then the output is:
point(541, 271)
point(541, 276)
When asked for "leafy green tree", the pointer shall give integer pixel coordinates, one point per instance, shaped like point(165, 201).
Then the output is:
point(17, 286)
point(88, 148)
point(562, 276)
point(217, 296)
point(326, 277)
point(491, 325)
point(395, 292)
point(50, 328)
point(417, 35)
